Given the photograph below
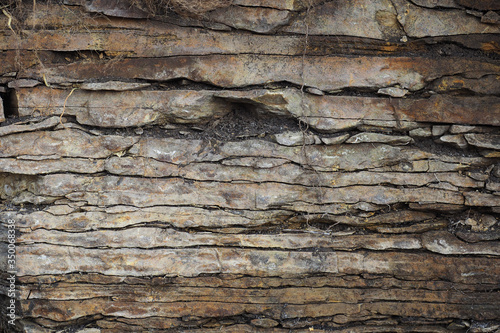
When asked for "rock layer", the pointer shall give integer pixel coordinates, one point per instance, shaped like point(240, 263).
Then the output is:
point(258, 166)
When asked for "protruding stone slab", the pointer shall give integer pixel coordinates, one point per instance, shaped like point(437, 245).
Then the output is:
point(294, 138)
point(455, 140)
point(445, 243)
point(23, 83)
point(422, 22)
point(18, 128)
point(122, 108)
point(480, 5)
point(488, 141)
point(380, 138)
point(393, 91)
point(388, 20)
point(327, 73)
point(70, 143)
point(114, 86)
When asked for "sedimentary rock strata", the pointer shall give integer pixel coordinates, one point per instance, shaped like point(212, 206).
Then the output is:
point(251, 166)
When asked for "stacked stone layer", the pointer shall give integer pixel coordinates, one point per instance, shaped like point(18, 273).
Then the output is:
point(288, 166)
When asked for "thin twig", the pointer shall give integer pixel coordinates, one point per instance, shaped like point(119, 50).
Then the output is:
point(64, 107)
point(9, 21)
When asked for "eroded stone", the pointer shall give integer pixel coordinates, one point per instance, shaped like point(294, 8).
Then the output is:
point(64, 143)
point(489, 141)
point(261, 20)
point(455, 140)
point(122, 109)
point(380, 138)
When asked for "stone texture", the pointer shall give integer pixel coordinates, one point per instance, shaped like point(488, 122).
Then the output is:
point(488, 85)
point(19, 128)
point(459, 129)
point(335, 140)
point(439, 130)
point(490, 141)
point(115, 8)
point(421, 132)
point(379, 138)
point(70, 143)
point(491, 17)
point(422, 22)
point(480, 5)
point(232, 70)
point(261, 20)
point(122, 109)
point(270, 166)
point(393, 19)
point(23, 83)
point(114, 85)
point(455, 140)
point(445, 243)
point(393, 91)
point(293, 138)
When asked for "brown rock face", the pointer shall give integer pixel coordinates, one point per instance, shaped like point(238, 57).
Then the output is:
point(250, 166)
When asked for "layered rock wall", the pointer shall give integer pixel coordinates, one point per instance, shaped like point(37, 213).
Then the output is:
point(260, 166)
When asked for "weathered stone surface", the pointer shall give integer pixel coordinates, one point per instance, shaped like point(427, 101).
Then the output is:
point(115, 8)
point(285, 4)
point(122, 109)
point(197, 172)
point(421, 22)
point(293, 138)
point(335, 140)
point(261, 20)
point(178, 217)
point(460, 129)
point(489, 141)
point(488, 85)
point(23, 83)
point(329, 113)
point(436, 3)
point(19, 128)
point(473, 237)
point(33, 167)
point(392, 19)
point(70, 143)
point(424, 132)
point(264, 322)
point(445, 243)
point(236, 261)
point(355, 18)
point(114, 85)
point(455, 140)
point(491, 17)
point(393, 91)
point(475, 198)
point(482, 223)
point(379, 138)
point(326, 158)
point(324, 73)
point(416, 228)
point(109, 190)
point(439, 130)
point(159, 237)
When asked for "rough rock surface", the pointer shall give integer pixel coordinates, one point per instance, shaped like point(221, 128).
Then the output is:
point(264, 166)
